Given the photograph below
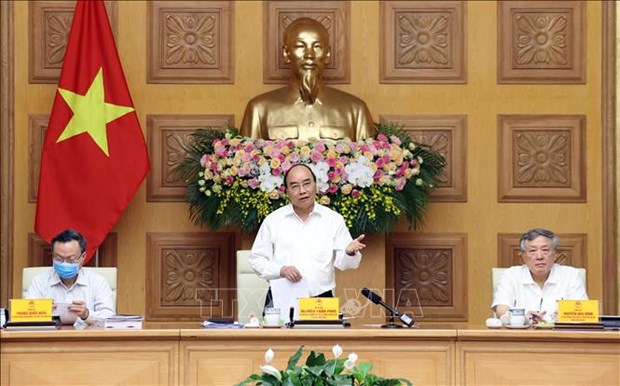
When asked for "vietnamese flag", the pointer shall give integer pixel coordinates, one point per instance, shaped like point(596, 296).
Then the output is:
point(94, 156)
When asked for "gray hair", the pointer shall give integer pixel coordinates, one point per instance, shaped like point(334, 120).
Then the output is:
point(537, 232)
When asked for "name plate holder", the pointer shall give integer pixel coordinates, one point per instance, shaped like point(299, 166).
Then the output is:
point(578, 311)
point(319, 309)
point(31, 310)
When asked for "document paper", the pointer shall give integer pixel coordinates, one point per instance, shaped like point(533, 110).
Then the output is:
point(286, 294)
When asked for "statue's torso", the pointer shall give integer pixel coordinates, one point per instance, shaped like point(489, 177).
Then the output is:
point(281, 115)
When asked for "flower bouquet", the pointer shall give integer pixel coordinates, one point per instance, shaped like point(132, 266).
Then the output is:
point(318, 371)
point(238, 181)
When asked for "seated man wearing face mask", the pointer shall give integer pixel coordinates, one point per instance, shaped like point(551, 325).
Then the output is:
point(90, 294)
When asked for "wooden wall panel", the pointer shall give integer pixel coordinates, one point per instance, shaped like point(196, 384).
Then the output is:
point(541, 158)
point(541, 42)
point(423, 42)
point(191, 42)
point(167, 136)
point(190, 276)
point(49, 26)
point(428, 273)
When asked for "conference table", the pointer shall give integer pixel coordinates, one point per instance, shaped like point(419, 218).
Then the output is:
point(191, 355)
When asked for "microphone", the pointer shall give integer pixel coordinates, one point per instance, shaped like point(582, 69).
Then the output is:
point(404, 318)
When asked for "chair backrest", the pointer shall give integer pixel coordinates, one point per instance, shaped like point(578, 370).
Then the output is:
point(251, 289)
point(109, 273)
point(496, 273)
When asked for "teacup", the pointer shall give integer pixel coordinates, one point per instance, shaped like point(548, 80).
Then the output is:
point(517, 316)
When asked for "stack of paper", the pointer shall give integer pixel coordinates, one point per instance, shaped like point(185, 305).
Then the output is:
point(122, 322)
point(207, 324)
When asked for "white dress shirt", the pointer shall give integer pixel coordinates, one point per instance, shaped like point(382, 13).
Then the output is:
point(89, 287)
point(516, 288)
point(314, 247)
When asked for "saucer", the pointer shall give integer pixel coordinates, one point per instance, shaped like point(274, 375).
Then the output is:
point(544, 326)
point(273, 325)
point(517, 327)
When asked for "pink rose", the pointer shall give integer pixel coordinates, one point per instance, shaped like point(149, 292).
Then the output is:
point(253, 183)
point(316, 156)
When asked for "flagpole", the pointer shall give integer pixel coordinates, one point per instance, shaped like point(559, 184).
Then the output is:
point(97, 257)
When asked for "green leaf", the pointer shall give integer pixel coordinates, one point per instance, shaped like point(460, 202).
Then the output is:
point(292, 361)
point(315, 359)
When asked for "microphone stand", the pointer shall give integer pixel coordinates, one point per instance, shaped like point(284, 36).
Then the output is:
point(391, 323)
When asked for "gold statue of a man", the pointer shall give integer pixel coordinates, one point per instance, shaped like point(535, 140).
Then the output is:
point(306, 108)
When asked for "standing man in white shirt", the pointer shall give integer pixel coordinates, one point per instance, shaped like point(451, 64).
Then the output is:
point(304, 239)
point(540, 282)
point(90, 294)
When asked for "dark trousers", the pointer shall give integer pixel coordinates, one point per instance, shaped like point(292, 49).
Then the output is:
point(269, 298)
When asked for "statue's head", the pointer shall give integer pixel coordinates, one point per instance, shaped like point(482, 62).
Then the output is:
point(306, 48)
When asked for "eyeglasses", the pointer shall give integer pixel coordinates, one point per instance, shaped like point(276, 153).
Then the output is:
point(294, 187)
point(67, 259)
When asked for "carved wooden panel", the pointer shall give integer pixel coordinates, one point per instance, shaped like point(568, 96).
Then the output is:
point(423, 42)
point(541, 42)
point(446, 134)
point(190, 42)
point(572, 249)
point(190, 276)
point(37, 126)
point(167, 134)
point(334, 15)
point(49, 27)
point(541, 158)
point(429, 270)
point(40, 252)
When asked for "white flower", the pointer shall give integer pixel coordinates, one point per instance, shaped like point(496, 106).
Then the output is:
point(320, 170)
point(269, 183)
point(359, 172)
point(269, 369)
point(269, 356)
point(349, 364)
point(337, 350)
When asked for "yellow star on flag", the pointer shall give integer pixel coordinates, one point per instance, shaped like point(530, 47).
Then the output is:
point(91, 113)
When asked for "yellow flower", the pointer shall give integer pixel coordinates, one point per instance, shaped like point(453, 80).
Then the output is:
point(304, 151)
point(275, 163)
point(346, 189)
point(324, 200)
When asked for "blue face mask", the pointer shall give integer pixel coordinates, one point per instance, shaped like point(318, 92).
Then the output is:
point(66, 270)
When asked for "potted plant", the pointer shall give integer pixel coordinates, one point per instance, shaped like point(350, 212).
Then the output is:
point(318, 371)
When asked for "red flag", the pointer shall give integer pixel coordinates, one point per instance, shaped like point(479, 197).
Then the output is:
point(94, 157)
